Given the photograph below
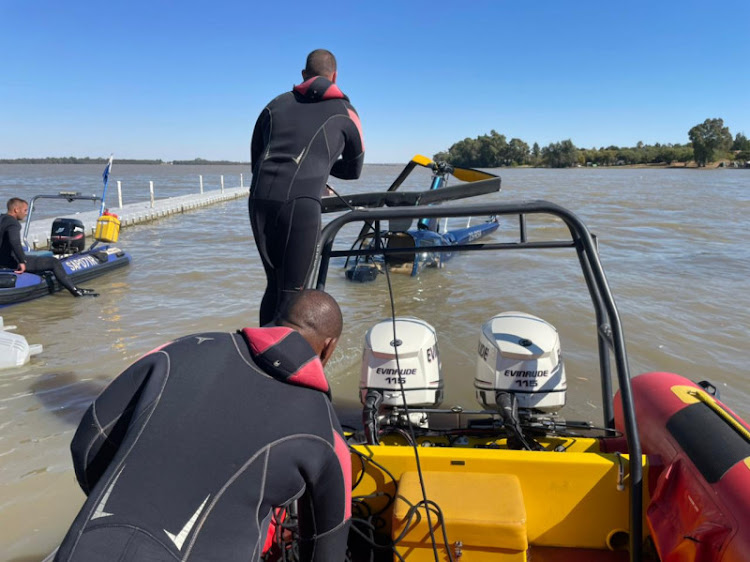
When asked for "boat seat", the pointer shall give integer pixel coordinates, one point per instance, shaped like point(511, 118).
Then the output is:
point(484, 515)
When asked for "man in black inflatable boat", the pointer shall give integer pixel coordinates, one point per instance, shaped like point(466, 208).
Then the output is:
point(13, 257)
point(299, 139)
point(186, 454)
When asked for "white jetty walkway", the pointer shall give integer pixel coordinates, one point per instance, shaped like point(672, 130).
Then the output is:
point(38, 237)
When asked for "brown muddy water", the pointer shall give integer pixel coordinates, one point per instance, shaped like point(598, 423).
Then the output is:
point(673, 244)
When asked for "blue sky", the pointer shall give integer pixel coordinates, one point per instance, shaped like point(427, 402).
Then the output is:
point(180, 80)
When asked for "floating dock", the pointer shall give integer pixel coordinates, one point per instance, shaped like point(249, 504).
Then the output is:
point(38, 236)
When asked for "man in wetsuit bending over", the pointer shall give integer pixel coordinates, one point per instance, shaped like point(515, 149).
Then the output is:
point(185, 455)
point(13, 257)
point(299, 139)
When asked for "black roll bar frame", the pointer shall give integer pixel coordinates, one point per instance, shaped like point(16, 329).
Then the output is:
point(69, 196)
point(609, 328)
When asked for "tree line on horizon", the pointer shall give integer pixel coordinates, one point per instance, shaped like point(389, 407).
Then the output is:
point(73, 160)
point(709, 141)
point(87, 160)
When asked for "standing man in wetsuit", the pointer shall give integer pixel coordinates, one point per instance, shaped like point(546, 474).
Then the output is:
point(13, 257)
point(185, 455)
point(300, 138)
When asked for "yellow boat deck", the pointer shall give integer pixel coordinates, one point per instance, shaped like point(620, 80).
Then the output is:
point(497, 504)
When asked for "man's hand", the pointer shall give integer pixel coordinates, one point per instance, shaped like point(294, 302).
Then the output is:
point(21, 268)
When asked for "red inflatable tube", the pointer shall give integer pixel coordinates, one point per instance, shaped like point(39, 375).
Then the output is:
point(700, 502)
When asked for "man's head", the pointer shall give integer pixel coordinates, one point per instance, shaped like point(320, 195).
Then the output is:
point(317, 317)
point(18, 208)
point(320, 63)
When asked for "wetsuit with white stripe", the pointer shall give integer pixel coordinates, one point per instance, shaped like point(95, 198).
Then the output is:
point(186, 453)
point(300, 138)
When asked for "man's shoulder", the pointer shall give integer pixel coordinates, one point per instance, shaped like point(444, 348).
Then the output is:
point(192, 344)
point(7, 220)
point(281, 99)
point(203, 338)
point(201, 349)
point(8, 226)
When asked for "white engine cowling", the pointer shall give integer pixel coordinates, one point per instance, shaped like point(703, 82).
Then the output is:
point(520, 353)
point(418, 363)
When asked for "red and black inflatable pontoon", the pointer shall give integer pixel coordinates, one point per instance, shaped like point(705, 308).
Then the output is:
point(700, 500)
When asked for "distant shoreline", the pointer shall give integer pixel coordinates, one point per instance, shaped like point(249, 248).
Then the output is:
point(721, 165)
point(156, 162)
point(724, 164)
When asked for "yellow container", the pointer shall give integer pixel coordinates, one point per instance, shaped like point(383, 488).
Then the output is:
point(107, 228)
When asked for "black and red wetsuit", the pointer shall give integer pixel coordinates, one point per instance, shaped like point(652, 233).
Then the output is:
point(187, 452)
point(297, 142)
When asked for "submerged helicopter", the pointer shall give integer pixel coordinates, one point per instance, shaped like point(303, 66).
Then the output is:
point(414, 245)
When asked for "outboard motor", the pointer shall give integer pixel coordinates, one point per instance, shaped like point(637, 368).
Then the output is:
point(520, 370)
point(417, 372)
point(68, 236)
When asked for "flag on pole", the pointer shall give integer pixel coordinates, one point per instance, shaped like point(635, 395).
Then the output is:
point(105, 178)
point(105, 175)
